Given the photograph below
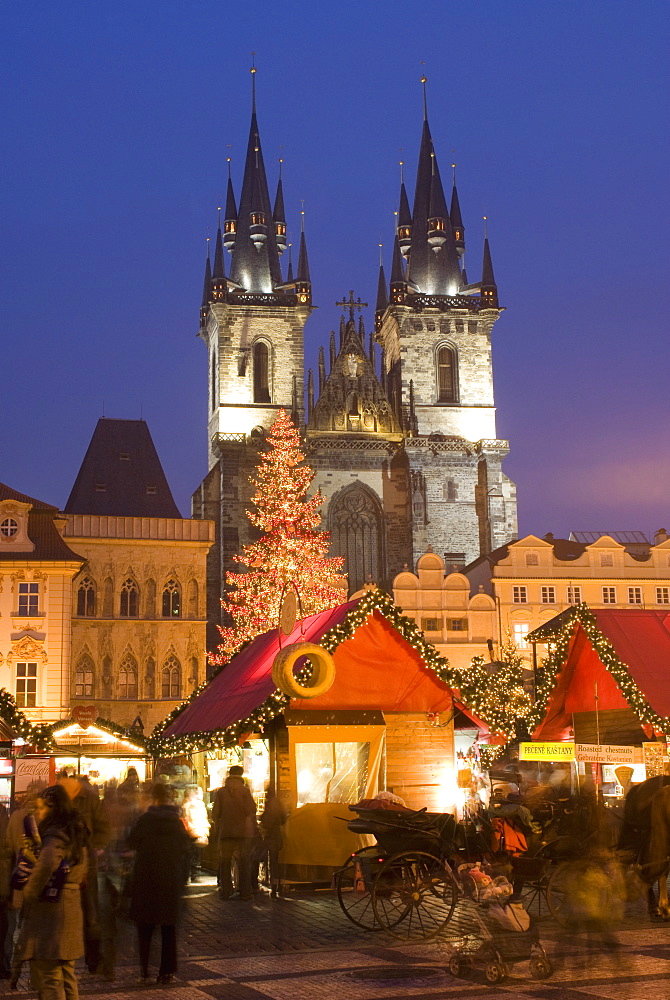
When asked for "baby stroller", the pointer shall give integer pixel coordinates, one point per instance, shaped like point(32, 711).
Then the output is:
point(490, 931)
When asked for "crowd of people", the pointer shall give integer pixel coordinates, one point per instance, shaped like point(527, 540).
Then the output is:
point(71, 862)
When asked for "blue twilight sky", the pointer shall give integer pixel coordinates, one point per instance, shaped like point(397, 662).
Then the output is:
point(116, 120)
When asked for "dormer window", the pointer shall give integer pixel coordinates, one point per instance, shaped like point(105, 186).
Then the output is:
point(9, 527)
point(281, 229)
point(532, 559)
point(229, 226)
point(404, 231)
point(257, 219)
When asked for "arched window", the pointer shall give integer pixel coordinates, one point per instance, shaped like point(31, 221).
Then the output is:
point(193, 598)
point(261, 372)
point(129, 599)
point(83, 678)
point(171, 600)
point(86, 598)
point(356, 534)
point(171, 678)
point(213, 374)
point(446, 375)
point(128, 677)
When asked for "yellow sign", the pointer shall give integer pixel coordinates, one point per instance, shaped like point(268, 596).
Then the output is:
point(546, 751)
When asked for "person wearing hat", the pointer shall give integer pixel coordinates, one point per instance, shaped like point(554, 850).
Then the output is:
point(234, 819)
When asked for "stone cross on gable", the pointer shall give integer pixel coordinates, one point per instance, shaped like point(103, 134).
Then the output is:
point(352, 304)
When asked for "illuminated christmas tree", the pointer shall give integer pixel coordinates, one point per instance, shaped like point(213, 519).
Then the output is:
point(290, 551)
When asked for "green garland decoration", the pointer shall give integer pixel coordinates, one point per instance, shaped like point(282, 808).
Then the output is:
point(492, 700)
point(554, 662)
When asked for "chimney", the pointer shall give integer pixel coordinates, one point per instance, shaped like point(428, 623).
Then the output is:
point(661, 536)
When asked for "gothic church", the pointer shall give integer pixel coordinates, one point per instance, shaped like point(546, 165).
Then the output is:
point(405, 452)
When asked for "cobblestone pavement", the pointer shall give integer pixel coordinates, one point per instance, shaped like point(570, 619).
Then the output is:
point(302, 948)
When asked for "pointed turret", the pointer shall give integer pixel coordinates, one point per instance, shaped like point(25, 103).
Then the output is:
point(404, 217)
point(333, 350)
point(456, 220)
point(289, 270)
point(218, 283)
point(398, 283)
point(206, 289)
point(489, 289)
point(322, 369)
point(372, 351)
point(438, 216)
point(279, 215)
point(230, 218)
point(256, 259)
point(382, 294)
point(303, 285)
point(343, 330)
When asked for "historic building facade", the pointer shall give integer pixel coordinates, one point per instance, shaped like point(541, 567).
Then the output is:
point(37, 567)
point(404, 447)
point(138, 602)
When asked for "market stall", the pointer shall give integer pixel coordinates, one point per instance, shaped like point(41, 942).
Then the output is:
point(384, 720)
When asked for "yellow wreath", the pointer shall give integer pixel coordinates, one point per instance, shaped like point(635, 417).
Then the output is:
point(323, 670)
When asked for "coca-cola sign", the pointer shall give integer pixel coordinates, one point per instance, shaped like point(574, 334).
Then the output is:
point(33, 773)
point(85, 715)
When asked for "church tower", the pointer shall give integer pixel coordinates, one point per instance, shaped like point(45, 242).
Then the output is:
point(435, 335)
point(251, 321)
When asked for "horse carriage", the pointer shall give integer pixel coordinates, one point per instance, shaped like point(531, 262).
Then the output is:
point(417, 880)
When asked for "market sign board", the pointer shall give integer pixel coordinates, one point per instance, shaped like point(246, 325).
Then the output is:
point(607, 753)
point(547, 751)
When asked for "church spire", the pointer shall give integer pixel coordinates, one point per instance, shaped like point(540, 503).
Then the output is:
point(455, 216)
point(206, 288)
point(279, 215)
point(256, 259)
point(489, 289)
point(404, 216)
point(289, 270)
point(218, 283)
point(230, 217)
point(303, 285)
point(382, 294)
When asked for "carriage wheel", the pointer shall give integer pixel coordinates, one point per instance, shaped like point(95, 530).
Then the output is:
point(459, 965)
point(353, 888)
point(495, 972)
point(540, 967)
point(578, 890)
point(413, 896)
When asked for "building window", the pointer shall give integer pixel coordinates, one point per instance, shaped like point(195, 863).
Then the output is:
point(520, 595)
point(86, 598)
point(355, 521)
point(450, 491)
point(8, 527)
point(29, 596)
point(128, 678)
point(129, 599)
point(532, 559)
point(171, 600)
point(663, 595)
point(261, 373)
point(458, 625)
point(431, 625)
point(171, 679)
point(83, 679)
point(26, 685)
point(574, 595)
point(446, 375)
point(519, 632)
point(635, 595)
point(609, 595)
point(548, 595)
point(607, 560)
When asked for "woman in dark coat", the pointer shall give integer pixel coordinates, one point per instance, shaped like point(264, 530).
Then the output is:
point(52, 932)
point(162, 849)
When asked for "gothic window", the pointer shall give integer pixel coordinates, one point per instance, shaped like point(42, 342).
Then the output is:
point(171, 678)
point(446, 375)
point(86, 598)
point(129, 599)
point(171, 600)
point(83, 678)
point(356, 534)
point(261, 372)
point(450, 490)
point(128, 677)
point(193, 599)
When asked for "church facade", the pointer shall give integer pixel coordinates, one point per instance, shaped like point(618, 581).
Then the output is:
point(400, 430)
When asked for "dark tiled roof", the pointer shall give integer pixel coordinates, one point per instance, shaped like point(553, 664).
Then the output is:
point(121, 475)
point(42, 532)
point(7, 493)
